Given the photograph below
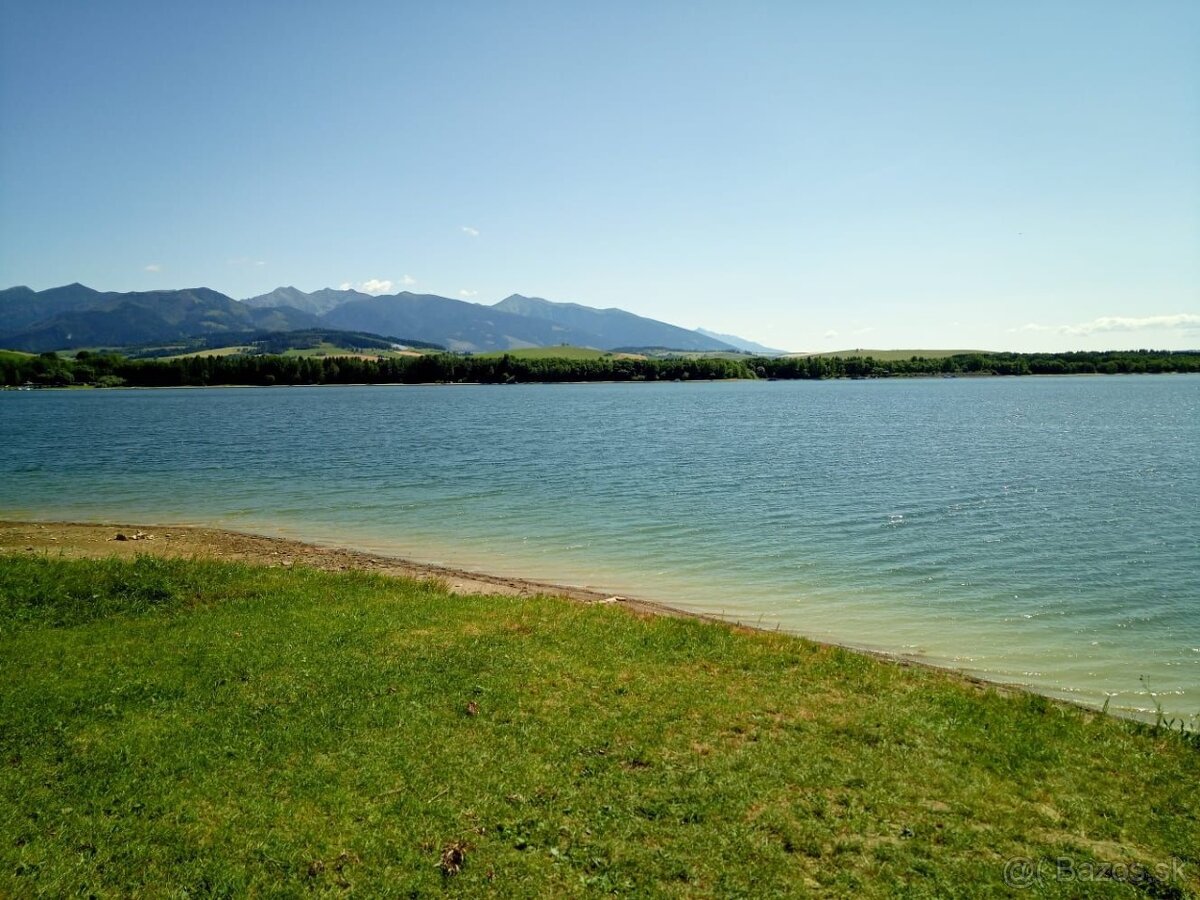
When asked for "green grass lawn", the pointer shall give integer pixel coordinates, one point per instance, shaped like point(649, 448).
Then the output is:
point(175, 728)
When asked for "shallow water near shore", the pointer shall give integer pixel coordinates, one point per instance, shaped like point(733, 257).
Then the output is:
point(1039, 531)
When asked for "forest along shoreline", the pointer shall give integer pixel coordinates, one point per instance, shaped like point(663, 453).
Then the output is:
point(103, 369)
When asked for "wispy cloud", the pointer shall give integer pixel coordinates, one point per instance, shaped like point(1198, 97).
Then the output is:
point(1106, 324)
point(469, 231)
point(831, 333)
point(408, 281)
point(465, 293)
point(153, 267)
point(247, 261)
point(374, 286)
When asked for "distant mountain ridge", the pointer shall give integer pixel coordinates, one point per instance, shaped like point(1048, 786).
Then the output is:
point(461, 326)
point(318, 302)
point(742, 343)
point(611, 327)
point(77, 316)
point(513, 323)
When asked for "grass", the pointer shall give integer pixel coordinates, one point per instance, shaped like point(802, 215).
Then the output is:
point(893, 355)
point(179, 728)
point(14, 355)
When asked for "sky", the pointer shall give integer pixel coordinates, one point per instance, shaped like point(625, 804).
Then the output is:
point(812, 175)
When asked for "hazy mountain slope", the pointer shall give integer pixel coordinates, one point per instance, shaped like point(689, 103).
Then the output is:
point(453, 323)
point(22, 307)
point(741, 343)
point(283, 318)
point(77, 316)
point(317, 303)
point(93, 319)
point(612, 327)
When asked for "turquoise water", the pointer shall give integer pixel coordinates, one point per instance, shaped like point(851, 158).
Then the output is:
point(1040, 531)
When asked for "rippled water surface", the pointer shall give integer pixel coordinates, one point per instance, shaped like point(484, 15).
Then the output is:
point(1043, 531)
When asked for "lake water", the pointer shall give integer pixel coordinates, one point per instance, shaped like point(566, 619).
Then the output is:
point(1035, 530)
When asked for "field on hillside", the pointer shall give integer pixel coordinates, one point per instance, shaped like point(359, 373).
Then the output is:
point(891, 355)
point(701, 354)
point(558, 352)
point(218, 351)
point(177, 728)
point(327, 349)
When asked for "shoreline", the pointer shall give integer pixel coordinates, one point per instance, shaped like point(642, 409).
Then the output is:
point(96, 539)
point(970, 376)
point(79, 540)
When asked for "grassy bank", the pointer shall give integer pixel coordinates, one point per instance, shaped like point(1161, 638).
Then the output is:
point(180, 728)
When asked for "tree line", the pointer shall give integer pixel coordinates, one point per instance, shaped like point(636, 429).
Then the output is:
point(114, 370)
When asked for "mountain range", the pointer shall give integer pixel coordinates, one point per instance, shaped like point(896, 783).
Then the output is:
point(77, 316)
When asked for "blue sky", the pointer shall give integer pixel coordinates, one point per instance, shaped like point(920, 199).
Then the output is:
point(812, 175)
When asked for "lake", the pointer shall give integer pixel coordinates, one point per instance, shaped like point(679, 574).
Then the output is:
point(1042, 531)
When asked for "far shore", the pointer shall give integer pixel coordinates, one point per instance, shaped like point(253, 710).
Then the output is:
point(973, 376)
point(89, 540)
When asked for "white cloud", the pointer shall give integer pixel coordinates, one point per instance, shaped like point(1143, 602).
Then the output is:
point(372, 286)
point(153, 267)
point(831, 333)
point(408, 281)
point(465, 293)
point(469, 231)
point(1105, 324)
point(376, 286)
